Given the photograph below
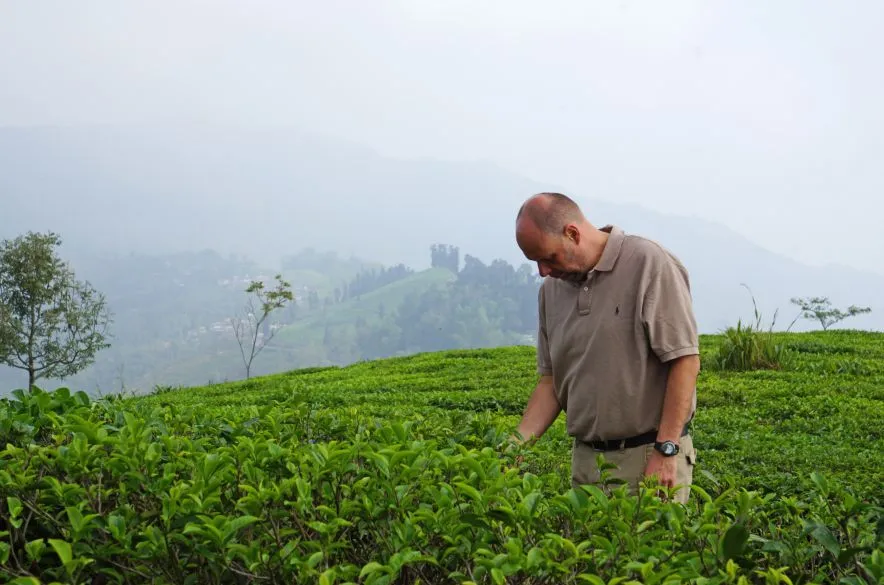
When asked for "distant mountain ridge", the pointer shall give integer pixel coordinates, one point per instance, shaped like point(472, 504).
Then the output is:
point(267, 192)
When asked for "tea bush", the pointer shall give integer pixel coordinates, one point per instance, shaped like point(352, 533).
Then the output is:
point(379, 473)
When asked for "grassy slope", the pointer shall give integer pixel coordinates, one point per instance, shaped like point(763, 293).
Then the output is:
point(325, 282)
point(278, 356)
point(325, 271)
point(366, 306)
point(766, 428)
point(313, 279)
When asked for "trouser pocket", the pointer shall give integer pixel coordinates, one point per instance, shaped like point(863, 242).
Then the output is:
point(629, 466)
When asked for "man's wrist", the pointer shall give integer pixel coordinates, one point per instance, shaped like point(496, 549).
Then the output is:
point(666, 448)
point(667, 435)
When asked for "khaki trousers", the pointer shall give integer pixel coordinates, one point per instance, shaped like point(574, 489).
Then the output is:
point(631, 464)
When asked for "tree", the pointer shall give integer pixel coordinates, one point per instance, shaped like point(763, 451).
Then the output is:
point(51, 325)
point(254, 332)
point(445, 256)
point(820, 309)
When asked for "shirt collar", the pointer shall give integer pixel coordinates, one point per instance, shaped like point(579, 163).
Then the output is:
point(612, 249)
point(609, 254)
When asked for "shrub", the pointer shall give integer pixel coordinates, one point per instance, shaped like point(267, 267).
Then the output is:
point(119, 492)
point(842, 367)
point(748, 347)
point(745, 347)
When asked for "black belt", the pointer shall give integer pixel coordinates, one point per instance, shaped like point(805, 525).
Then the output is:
point(628, 443)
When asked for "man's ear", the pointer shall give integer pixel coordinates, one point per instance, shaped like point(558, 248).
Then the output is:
point(572, 233)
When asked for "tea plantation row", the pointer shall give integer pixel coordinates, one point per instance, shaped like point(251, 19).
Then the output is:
point(400, 471)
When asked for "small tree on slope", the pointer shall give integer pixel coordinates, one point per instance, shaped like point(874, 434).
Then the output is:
point(51, 325)
point(253, 332)
point(820, 309)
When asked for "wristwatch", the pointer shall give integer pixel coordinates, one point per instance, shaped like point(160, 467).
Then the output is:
point(667, 448)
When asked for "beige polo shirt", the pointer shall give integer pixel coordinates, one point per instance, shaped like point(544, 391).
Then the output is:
point(608, 340)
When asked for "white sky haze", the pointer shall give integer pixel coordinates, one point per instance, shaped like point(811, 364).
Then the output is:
point(763, 116)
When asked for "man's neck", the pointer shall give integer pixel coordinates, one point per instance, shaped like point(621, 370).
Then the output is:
point(601, 240)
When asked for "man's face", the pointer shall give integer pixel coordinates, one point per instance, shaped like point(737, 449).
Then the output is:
point(556, 256)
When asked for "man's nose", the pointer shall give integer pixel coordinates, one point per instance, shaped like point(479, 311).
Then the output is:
point(544, 271)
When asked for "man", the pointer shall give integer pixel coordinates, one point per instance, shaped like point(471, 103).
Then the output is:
point(617, 346)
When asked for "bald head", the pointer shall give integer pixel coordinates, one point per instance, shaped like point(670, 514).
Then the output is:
point(552, 231)
point(550, 212)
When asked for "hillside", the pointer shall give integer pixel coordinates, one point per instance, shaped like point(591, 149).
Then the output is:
point(764, 428)
point(366, 307)
point(300, 343)
point(345, 332)
point(322, 271)
point(399, 471)
point(265, 193)
point(170, 314)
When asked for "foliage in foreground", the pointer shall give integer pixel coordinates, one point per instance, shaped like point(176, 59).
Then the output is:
point(140, 492)
point(768, 428)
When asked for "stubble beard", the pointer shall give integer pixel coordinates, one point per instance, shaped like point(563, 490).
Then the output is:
point(575, 276)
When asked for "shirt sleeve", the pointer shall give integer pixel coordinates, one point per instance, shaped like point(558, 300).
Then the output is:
point(668, 312)
point(544, 361)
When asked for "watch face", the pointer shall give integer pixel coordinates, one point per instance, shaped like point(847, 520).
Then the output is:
point(668, 448)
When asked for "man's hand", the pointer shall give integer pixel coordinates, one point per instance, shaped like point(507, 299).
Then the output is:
point(665, 468)
point(543, 408)
point(515, 444)
point(677, 404)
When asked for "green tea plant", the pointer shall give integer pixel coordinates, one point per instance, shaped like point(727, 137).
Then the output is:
point(122, 491)
point(401, 471)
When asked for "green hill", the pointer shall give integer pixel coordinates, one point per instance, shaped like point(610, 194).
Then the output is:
point(347, 331)
point(322, 271)
point(304, 342)
point(369, 307)
point(768, 428)
point(399, 471)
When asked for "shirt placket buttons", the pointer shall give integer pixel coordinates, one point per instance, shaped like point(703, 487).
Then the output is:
point(585, 298)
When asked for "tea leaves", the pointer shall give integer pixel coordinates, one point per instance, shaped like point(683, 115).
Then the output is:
point(400, 471)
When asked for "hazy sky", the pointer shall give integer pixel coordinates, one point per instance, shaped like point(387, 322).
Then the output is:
point(765, 116)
